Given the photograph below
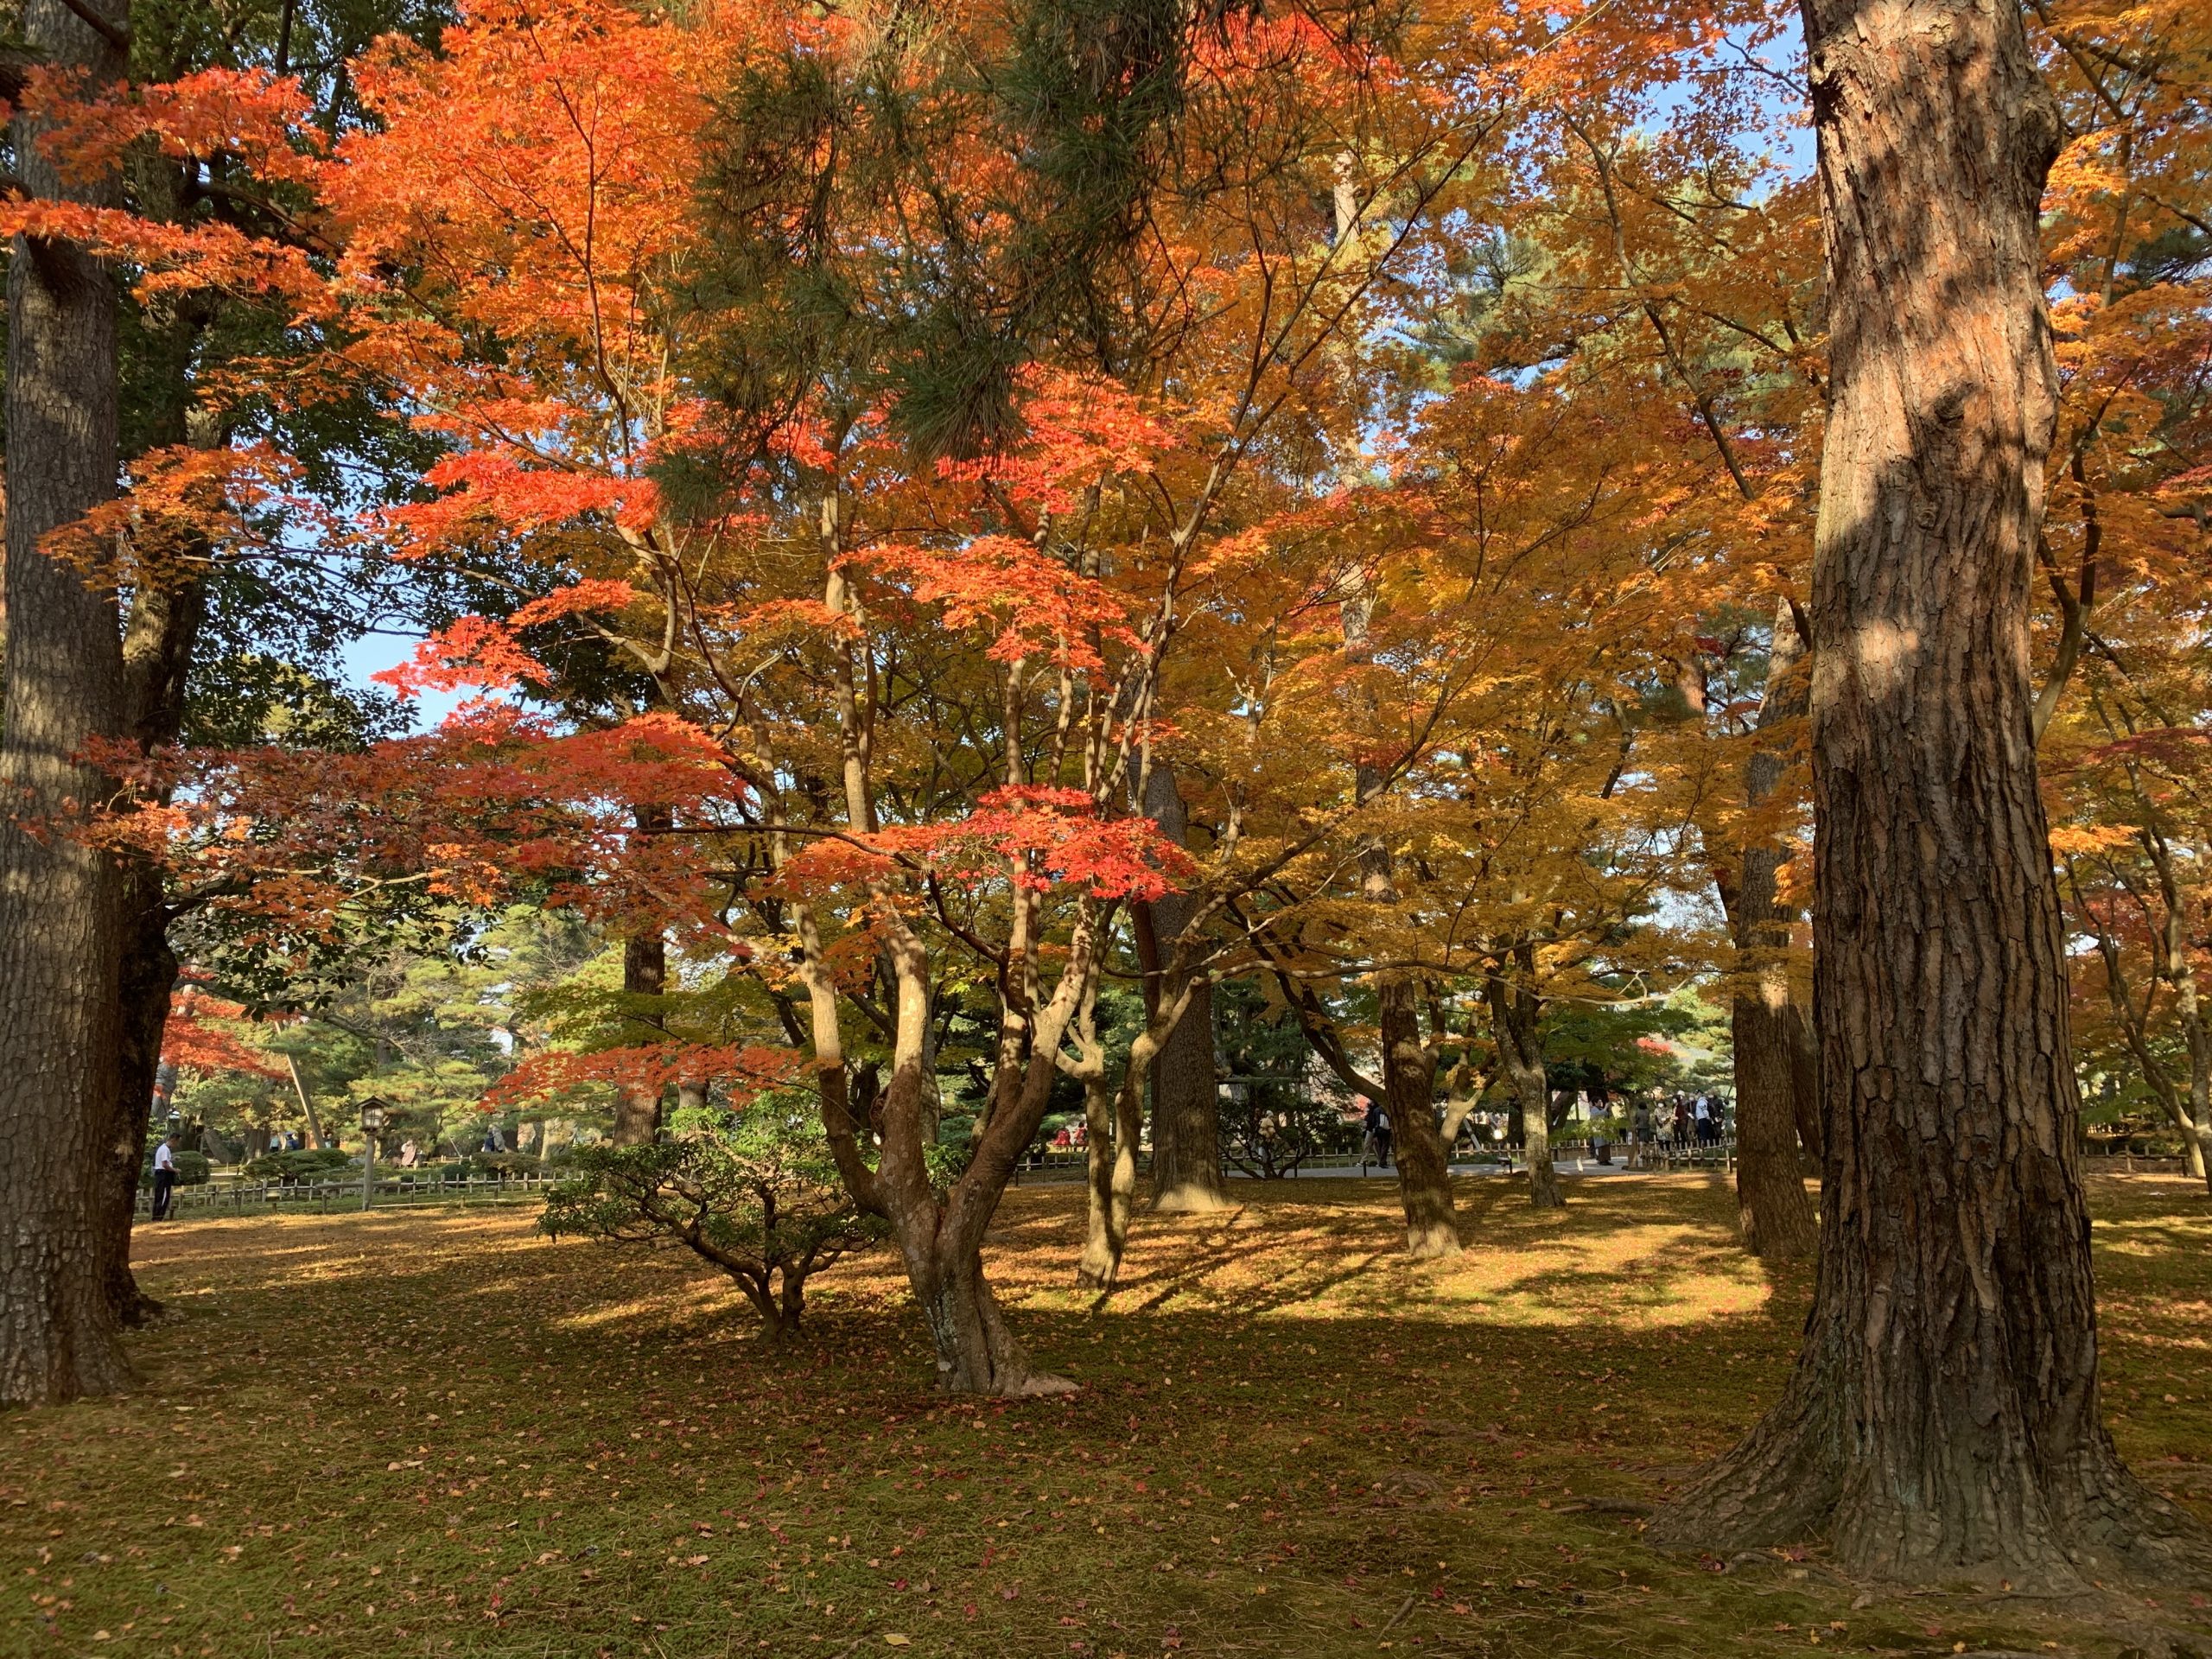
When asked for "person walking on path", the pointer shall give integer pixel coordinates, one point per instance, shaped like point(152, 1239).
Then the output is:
point(164, 1175)
point(1377, 1124)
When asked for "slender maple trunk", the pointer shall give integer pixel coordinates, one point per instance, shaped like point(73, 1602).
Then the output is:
point(2180, 973)
point(1186, 1172)
point(2134, 1017)
point(307, 1103)
point(61, 902)
point(1943, 1419)
point(1514, 1012)
point(148, 982)
point(1804, 1080)
point(1110, 1177)
point(645, 978)
point(1112, 1156)
point(1773, 1214)
point(157, 647)
point(1409, 1068)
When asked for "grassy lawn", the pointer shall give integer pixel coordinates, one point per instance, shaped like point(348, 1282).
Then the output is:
point(435, 1432)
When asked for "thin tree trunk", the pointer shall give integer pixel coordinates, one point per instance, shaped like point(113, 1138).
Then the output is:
point(307, 1103)
point(148, 982)
point(61, 933)
point(1804, 1080)
point(1942, 1421)
point(1514, 1012)
point(1408, 1067)
point(1773, 1216)
point(1112, 1156)
point(1186, 1173)
point(157, 647)
point(1110, 1174)
point(644, 979)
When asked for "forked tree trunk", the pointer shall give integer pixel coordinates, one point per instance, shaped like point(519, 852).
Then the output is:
point(1409, 1095)
point(1942, 1421)
point(61, 902)
point(940, 1236)
point(1110, 1173)
point(644, 976)
point(1112, 1131)
point(1773, 1214)
point(1514, 1011)
point(1186, 1174)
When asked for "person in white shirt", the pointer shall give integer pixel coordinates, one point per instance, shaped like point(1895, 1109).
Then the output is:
point(164, 1176)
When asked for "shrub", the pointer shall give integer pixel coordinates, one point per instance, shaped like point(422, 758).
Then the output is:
point(305, 1164)
point(752, 1191)
point(192, 1169)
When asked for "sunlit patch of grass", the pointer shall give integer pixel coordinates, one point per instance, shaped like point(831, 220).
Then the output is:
point(438, 1433)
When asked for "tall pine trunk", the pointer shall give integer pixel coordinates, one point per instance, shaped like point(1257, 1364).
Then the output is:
point(61, 902)
point(1773, 1214)
point(1943, 1419)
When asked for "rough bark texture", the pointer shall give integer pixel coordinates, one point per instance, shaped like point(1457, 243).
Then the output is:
point(1943, 1421)
point(1409, 1096)
point(1514, 1011)
point(1773, 1213)
point(60, 909)
point(1186, 1173)
point(645, 974)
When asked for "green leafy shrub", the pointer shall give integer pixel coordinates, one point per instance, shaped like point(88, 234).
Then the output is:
point(192, 1169)
point(305, 1164)
point(754, 1192)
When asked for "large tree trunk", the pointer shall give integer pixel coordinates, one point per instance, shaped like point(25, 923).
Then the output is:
point(1773, 1214)
point(644, 979)
point(61, 902)
point(1409, 1096)
point(1513, 1009)
point(1942, 1421)
point(1186, 1174)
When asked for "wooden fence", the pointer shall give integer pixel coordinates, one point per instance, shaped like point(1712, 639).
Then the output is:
point(238, 1198)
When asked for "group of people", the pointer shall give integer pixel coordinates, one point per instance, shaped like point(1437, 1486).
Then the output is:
point(1680, 1121)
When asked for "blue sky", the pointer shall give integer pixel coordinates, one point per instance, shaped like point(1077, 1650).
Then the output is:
point(374, 653)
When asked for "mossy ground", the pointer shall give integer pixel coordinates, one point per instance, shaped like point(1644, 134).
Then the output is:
point(435, 1432)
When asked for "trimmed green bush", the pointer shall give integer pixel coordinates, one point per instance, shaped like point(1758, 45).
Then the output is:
point(192, 1169)
point(306, 1164)
point(752, 1191)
